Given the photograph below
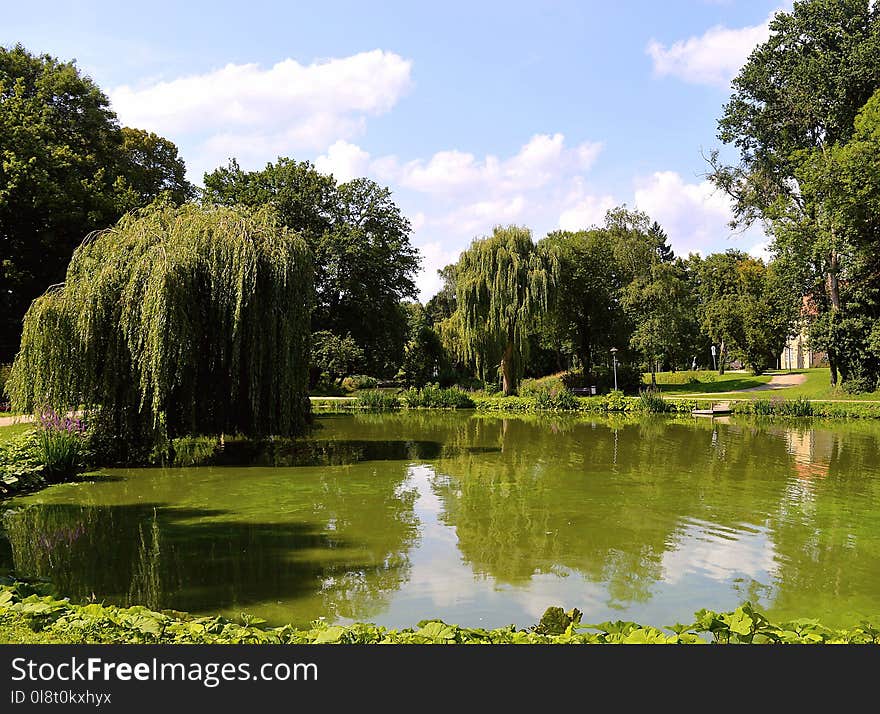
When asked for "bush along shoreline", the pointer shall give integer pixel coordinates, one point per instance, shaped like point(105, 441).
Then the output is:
point(29, 616)
point(552, 400)
point(55, 450)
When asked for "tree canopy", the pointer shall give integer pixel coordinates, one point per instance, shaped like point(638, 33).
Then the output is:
point(67, 169)
point(364, 262)
point(794, 101)
point(175, 321)
point(502, 282)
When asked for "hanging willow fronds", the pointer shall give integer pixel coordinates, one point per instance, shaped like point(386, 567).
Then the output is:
point(176, 321)
point(502, 282)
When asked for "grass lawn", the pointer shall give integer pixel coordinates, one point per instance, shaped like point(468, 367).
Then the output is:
point(817, 386)
point(11, 430)
point(727, 382)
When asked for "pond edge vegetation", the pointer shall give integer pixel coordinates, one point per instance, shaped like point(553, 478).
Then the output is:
point(549, 400)
point(28, 616)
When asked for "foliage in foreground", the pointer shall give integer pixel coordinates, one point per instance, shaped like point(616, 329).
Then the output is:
point(21, 468)
point(26, 616)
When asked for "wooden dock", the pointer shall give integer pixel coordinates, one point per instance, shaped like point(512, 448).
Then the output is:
point(717, 409)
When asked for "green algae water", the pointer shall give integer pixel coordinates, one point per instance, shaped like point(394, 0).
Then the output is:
point(481, 521)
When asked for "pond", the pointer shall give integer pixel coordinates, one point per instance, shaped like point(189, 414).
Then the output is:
point(482, 521)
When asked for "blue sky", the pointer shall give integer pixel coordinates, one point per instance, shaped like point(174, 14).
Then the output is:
point(477, 113)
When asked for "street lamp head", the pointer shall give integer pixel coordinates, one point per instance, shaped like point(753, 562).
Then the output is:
point(613, 350)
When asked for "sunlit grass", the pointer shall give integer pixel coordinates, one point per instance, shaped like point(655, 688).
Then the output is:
point(817, 386)
point(730, 381)
point(12, 430)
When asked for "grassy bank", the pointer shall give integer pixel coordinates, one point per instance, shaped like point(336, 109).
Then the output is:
point(816, 385)
point(27, 617)
point(705, 382)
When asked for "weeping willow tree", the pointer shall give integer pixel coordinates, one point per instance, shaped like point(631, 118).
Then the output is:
point(502, 283)
point(176, 321)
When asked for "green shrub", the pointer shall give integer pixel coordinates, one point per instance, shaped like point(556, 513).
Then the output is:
point(432, 396)
point(762, 407)
point(652, 403)
point(61, 443)
point(550, 383)
point(377, 401)
point(21, 467)
point(855, 410)
point(685, 377)
point(504, 404)
point(615, 402)
point(859, 385)
point(800, 407)
point(359, 381)
point(556, 400)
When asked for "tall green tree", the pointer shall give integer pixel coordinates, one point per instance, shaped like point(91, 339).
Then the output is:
point(586, 317)
point(424, 358)
point(176, 321)
point(364, 262)
point(152, 167)
point(66, 169)
point(746, 307)
point(502, 283)
point(841, 185)
point(658, 302)
point(800, 92)
point(337, 356)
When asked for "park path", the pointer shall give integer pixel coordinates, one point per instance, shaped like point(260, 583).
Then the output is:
point(778, 381)
point(17, 419)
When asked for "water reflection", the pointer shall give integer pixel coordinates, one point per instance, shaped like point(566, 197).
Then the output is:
point(483, 521)
point(151, 539)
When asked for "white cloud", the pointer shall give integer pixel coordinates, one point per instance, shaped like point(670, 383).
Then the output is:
point(257, 113)
point(461, 196)
point(713, 58)
point(695, 215)
point(435, 255)
point(451, 172)
point(344, 160)
point(761, 250)
point(480, 217)
point(585, 210)
point(417, 221)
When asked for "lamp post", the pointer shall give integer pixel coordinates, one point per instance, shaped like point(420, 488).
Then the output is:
point(614, 362)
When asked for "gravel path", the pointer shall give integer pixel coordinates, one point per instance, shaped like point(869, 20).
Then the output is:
point(19, 419)
point(778, 381)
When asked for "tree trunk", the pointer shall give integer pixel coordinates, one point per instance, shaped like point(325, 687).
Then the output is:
point(834, 297)
point(508, 379)
point(721, 358)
